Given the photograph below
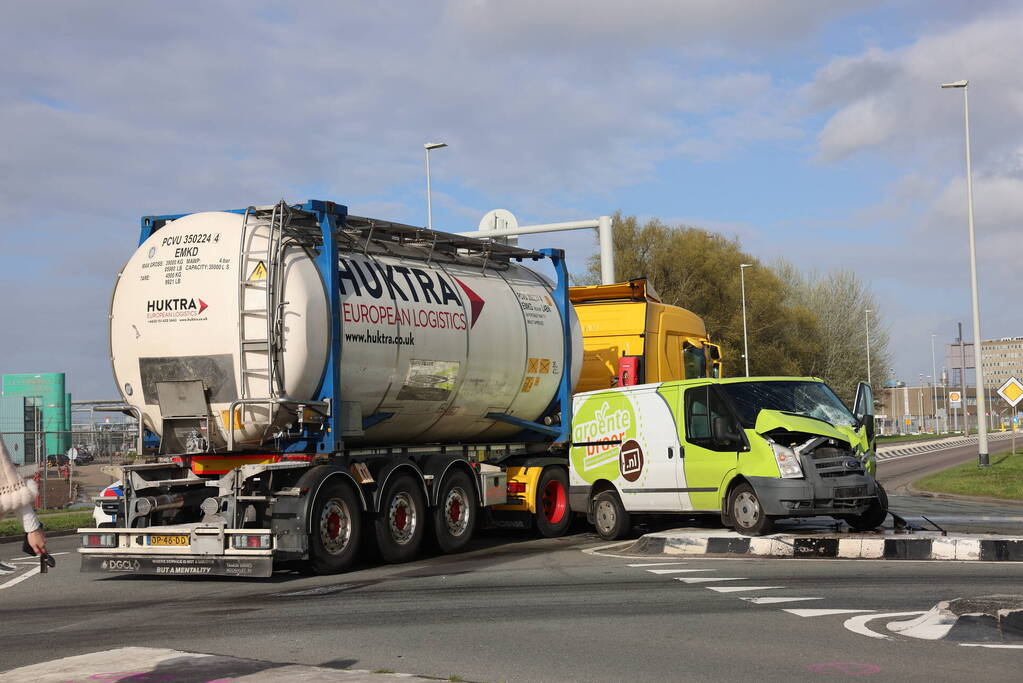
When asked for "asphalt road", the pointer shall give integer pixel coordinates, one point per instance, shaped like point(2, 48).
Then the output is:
point(522, 609)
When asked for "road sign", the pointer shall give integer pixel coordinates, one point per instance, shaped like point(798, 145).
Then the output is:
point(1011, 391)
point(955, 399)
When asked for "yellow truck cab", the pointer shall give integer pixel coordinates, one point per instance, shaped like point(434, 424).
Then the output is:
point(631, 337)
point(751, 450)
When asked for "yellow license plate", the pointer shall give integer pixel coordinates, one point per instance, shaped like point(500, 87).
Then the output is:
point(168, 540)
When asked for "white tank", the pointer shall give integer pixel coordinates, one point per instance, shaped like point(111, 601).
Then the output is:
point(437, 341)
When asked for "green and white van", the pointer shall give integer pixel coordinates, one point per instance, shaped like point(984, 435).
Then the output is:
point(750, 449)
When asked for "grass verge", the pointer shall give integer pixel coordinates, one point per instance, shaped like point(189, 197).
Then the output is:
point(1003, 479)
point(61, 522)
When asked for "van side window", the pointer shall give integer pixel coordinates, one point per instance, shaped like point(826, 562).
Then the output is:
point(702, 406)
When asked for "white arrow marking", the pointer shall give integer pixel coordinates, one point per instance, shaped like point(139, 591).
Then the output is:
point(859, 624)
point(707, 579)
point(772, 601)
point(823, 612)
point(15, 581)
point(677, 571)
point(739, 589)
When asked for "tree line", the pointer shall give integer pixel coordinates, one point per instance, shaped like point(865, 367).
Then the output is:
point(799, 323)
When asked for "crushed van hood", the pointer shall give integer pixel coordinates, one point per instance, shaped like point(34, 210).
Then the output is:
point(770, 420)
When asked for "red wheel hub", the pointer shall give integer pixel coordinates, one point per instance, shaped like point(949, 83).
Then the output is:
point(333, 525)
point(455, 510)
point(400, 518)
point(554, 500)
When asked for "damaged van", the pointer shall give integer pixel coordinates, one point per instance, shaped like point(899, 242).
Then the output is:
point(750, 449)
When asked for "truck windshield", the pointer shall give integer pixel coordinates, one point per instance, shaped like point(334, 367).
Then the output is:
point(695, 362)
point(813, 399)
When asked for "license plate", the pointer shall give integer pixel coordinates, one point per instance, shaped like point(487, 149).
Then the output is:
point(168, 540)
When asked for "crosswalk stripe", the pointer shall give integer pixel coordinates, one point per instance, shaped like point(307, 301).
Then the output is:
point(772, 601)
point(740, 589)
point(708, 579)
point(676, 571)
point(824, 612)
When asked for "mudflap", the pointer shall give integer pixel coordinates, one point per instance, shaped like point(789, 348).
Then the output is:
point(255, 567)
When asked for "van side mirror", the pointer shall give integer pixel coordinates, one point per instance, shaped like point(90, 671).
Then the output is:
point(723, 432)
point(863, 409)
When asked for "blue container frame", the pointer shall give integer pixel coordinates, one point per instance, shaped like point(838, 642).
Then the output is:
point(331, 217)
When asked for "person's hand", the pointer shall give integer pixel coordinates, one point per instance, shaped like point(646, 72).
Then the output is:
point(37, 541)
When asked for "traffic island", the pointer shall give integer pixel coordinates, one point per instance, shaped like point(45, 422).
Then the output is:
point(985, 619)
point(809, 544)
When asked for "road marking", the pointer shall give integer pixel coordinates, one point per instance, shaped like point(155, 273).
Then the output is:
point(859, 624)
point(655, 564)
point(823, 612)
point(995, 645)
point(739, 589)
point(678, 571)
point(708, 579)
point(18, 579)
point(772, 601)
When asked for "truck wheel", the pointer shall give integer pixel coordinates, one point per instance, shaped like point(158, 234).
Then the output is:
point(609, 516)
point(400, 525)
point(747, 513)
point(337, 529)
point(454, 518)
point(553, 516)
point(874, 515)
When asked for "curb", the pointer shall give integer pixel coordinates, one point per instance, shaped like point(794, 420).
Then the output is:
point(921, 493)
point(817, 547)
point(49, 534)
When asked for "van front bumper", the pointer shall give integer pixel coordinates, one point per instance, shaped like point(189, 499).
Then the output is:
point(834, 496)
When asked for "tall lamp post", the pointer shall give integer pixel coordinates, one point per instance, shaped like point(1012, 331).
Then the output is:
point(745, 342)
point(429, 200)
point(934, 385)
point(982, 450)
point(866, 323)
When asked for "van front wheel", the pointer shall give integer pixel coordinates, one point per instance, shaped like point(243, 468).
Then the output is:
point(609, 516)
point(747, 513)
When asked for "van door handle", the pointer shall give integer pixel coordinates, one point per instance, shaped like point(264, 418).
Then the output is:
point(671, 453)
point(681, 451)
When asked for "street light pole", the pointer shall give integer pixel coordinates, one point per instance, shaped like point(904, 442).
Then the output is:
point(982, 449)
point(429, 200)
point(934, 385)
point(866, 321)
point(745, 342)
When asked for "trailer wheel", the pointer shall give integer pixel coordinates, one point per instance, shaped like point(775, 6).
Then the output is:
point(553, 515)
point(747, 513)
point(400, 525)
point(874, 515)
point(454, 518)
point(609, 516)
point(337, 529)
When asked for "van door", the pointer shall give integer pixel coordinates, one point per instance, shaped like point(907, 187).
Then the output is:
point(712, 441)
point(649, 464)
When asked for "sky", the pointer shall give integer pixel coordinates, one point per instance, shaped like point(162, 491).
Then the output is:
point(812, 130)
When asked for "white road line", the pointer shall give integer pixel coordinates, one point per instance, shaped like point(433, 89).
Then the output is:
point(774, 601)
point(678, 571)
point(996, 645)
point(859, 624)
point(708, 579)
point(740, 589)
point(18, 579)
point(655, 564)
point(823, 612)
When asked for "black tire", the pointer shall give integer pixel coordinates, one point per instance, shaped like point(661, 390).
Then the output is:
point(610, 517)
point(401, 524)
point(336, 528)
point(746, 512)
point(553, 514)
point(454, 517)
point(874, 515)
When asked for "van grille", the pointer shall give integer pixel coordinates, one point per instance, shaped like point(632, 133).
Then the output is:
point(835, 462)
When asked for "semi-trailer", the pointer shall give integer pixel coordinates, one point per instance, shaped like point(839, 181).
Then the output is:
point(316, 377)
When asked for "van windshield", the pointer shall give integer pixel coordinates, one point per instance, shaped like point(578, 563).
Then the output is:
point(813, 399)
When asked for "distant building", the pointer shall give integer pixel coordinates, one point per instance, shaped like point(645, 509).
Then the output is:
point(35, 404)
point(1000, 358)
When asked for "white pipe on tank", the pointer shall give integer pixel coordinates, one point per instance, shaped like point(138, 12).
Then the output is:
point(601, 224)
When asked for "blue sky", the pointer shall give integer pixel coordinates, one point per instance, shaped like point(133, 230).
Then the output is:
point(813, 130)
